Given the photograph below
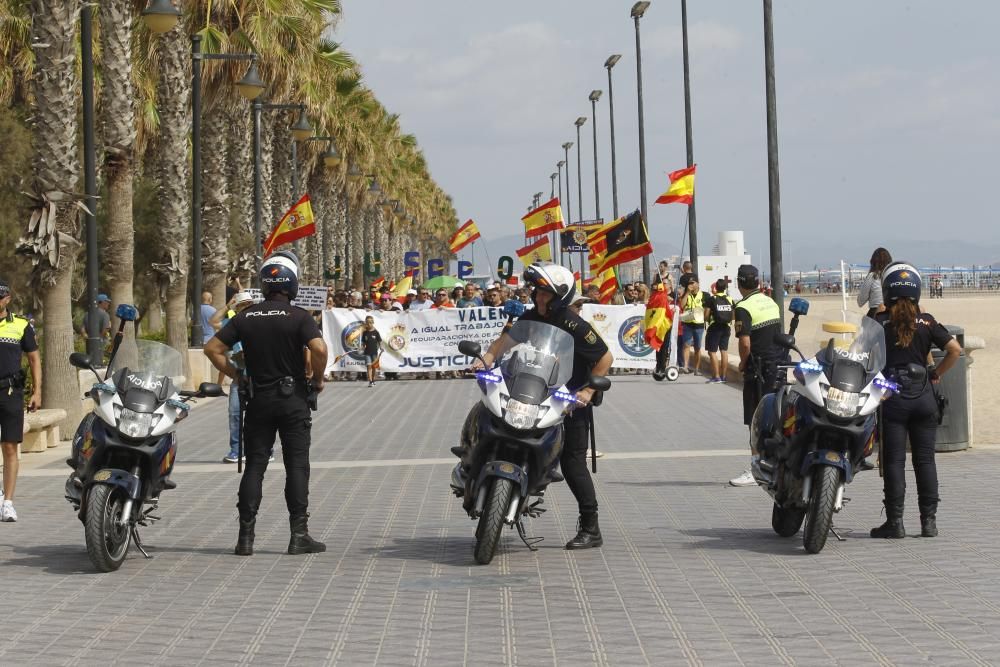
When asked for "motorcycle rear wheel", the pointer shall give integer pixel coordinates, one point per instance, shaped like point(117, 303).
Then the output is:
point(491, 522)
point(819, 515)
point(107, 539)
point(786, 521)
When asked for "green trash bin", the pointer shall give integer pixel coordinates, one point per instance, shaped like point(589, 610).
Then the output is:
point(953, 432)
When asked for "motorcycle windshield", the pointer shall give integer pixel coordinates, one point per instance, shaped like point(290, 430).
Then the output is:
point(866, 349)
point(542, 351)
point(148, 364)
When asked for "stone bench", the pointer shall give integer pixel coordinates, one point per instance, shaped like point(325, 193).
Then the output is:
point(41, 429)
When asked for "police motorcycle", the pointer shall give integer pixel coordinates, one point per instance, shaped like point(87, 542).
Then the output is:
point(810, 437)
point(124, 450)
point(515, 435)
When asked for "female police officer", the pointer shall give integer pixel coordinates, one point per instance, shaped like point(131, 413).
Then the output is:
point(909, 335)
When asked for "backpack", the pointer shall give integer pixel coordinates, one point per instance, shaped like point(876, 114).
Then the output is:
point(722, 309)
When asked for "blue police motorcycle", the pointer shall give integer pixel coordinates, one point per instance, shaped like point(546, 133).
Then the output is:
point(124, 450)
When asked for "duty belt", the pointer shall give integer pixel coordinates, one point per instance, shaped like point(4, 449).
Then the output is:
point(15, 381)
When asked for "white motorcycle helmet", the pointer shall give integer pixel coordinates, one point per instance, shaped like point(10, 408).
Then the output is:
point(552, 278)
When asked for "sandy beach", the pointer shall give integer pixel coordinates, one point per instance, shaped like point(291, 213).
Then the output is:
point(978, 315)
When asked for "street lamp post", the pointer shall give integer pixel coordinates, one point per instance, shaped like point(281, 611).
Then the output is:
point(250, 87)
point(638, 9)
point(559, 169)
point(552, 190)
point(608, 64)
point(692, 226)
point(579, 172)
point(594, 96)
point(773, 189)
point(95, 348)
point(569, 205)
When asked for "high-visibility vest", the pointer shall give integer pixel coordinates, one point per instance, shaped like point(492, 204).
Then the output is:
point(763, 310)
point(12, 329)
point(694, 309)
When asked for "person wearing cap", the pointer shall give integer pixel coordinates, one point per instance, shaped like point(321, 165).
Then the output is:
point(422, 301)
point(103, 319)
point(17, 337)
point(756, 320)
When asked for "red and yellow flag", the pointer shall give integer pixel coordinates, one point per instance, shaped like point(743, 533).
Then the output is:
point(656, 323)
point(608, 284)
point(297, 223)
point(465, 235)
point(681, 190)
point(538, 251)
point(543, 219)
point(597, 246)
point(402, 287)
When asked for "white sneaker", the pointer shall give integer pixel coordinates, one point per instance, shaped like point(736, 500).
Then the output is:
point(7, 512)
point(746, 479)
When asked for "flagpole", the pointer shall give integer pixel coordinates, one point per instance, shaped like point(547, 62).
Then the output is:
point(692, 225)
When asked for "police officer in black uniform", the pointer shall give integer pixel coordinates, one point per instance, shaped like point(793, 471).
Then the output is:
point(17, 336)
point(913, 412)
point(275, 336)
point(756, 320)
point(553, 290)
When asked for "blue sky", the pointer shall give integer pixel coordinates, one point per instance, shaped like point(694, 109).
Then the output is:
point(888, 112)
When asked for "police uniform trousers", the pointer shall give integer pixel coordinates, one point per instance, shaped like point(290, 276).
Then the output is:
point(755, 385)
point(573, 460)
point(11, 414)
point(268, 413)
point(917, 418)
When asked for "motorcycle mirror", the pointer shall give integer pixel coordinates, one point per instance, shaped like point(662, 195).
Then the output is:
point(127, 312)
point(470, 348)
point(786, 341)
point(798, 306)
point(599, 383)
point(209, 389)
point(80, 360)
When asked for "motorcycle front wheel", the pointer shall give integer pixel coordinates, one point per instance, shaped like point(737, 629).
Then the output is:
point(819, 516)
point(786, 521)
point(491, 521)
point(107, 538)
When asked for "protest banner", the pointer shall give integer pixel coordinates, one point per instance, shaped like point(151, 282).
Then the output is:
point(621, 329)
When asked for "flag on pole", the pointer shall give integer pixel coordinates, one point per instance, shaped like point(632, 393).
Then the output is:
point(402, 287)
point(607, 283)
point(544, 219)
point(538, 251)
point(656, 323)
point(597, 245)
point(681, 190)
point(625, 241)
point(378, 283)
point(297, 223)
point(465, 235)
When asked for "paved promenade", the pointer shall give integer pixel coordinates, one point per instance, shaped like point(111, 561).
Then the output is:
point(691, 572)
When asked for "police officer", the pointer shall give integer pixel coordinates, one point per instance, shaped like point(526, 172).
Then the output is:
point(756, 320)
point(913, 412)
point(17, 336)
point(553, 290)
point(275, 336)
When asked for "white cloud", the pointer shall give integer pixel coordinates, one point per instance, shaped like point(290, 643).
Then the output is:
point(704, 39)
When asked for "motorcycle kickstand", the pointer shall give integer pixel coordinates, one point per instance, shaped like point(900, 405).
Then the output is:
point(529, 542)
point(839, 537)
point(138, 542)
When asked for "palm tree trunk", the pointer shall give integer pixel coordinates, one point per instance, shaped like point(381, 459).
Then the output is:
point(281, 157)
point(215, 206)
point(55, 169)
point(266, 173)
point(173, 96)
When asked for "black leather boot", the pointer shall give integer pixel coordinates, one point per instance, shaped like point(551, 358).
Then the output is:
point(301, 542)
point(244, 543)
point(893, 526)
point(928, 525)
point(589, 535)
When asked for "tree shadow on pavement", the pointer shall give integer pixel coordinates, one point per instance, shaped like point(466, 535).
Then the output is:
point(52, 558)
point(758, 540)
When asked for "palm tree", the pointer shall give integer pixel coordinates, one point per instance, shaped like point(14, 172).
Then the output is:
point(16, 58)
point(119, 135)
point(51, 241)
point(173, 95)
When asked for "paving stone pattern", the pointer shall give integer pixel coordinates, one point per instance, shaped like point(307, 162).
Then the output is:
point(691, 572)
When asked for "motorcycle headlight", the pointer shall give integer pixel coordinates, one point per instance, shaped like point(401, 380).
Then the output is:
point(842, 403)
point(520, 415)
point(136, 425)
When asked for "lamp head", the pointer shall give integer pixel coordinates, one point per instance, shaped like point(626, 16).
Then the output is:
point(638, 9)
point(612, 60)
point(302, 130)
point(160, 16)
point(331, 158)
point(373, 188)
point(595, 95)
point(568, 145)
point(561, 164)
point(580, 121)
point(251, 86)
point(353, 173)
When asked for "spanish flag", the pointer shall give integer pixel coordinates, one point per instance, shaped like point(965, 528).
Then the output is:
point(402, 287)
point(656, 323)
point(297, 223)
point(543, 219)
point(465, 235)
point(681, 190)
point(608, 284)
point(626, 240)
point(538, 251)
point(378, 283)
